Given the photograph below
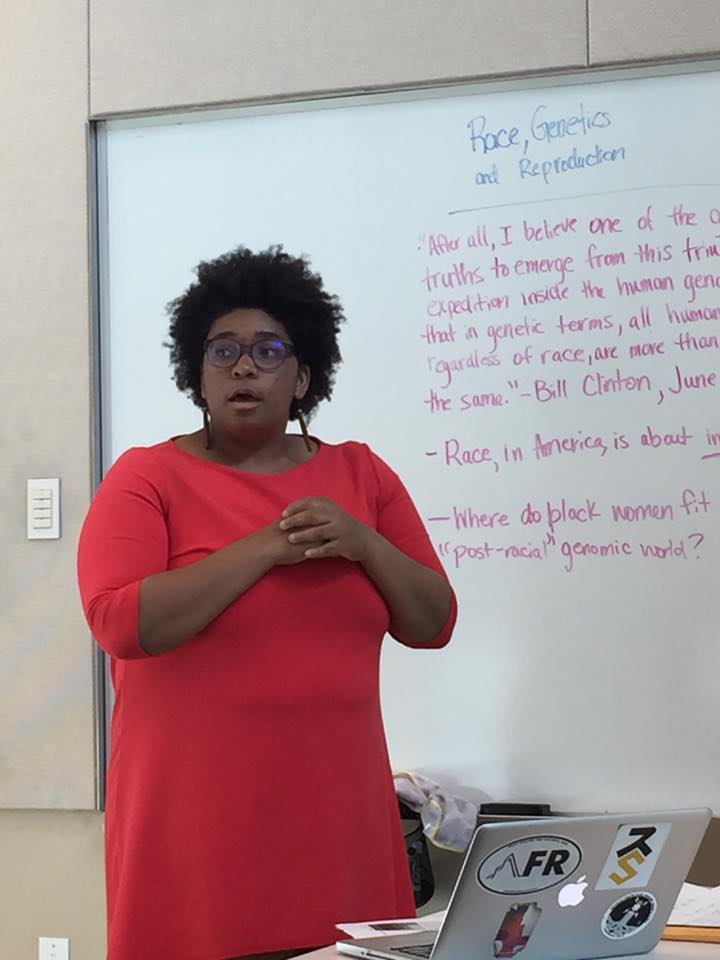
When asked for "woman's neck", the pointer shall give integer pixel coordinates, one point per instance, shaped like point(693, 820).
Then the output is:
point(256, 456)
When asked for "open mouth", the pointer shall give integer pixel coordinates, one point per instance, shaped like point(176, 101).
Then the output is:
point(244, 398)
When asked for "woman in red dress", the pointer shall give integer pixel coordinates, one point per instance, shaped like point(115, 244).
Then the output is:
point(242, 579)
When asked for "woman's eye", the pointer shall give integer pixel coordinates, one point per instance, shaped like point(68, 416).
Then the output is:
point(223, 351)
point(268, 351)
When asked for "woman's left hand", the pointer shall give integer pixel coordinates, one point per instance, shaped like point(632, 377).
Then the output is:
point(320, 518)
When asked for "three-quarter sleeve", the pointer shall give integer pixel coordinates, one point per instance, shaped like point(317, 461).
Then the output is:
point(123, 540)
point(400, 523)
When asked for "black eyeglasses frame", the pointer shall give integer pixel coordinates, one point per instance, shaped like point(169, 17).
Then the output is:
point(251, 349)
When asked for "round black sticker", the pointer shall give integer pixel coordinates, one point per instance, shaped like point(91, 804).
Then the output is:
point(629, 915)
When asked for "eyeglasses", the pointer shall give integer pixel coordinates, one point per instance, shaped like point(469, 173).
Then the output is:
point(267, 355)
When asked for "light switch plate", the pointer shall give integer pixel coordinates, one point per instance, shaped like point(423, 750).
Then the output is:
point(43, 508)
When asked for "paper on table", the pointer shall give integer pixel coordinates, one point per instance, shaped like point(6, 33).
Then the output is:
point(696, 907)
point(391, 928)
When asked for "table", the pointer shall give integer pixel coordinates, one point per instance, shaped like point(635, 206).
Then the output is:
point(665, 950)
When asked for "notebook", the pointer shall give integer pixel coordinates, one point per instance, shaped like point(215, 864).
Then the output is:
point(562, 888)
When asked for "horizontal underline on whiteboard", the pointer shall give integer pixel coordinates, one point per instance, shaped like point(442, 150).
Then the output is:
point(709, 456)
point(583, 196)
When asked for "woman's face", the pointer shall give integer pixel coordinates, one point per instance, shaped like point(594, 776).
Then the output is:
point(241, 398)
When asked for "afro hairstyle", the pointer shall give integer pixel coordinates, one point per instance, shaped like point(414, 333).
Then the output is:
point(273, 281)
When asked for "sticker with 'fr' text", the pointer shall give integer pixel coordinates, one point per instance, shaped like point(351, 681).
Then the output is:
point(633, 856)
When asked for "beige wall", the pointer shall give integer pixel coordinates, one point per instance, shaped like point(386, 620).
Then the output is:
point(60, 62)
point(622, 31)
point(52, 882)
point(51, 862)
point(46, 752)
point(276, 47)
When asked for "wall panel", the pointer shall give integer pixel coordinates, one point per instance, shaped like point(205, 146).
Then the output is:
point(652, 30)
point(166, 54)
point(46, 691)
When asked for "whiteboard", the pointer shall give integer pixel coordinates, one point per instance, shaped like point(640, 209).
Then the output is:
point(531, 277)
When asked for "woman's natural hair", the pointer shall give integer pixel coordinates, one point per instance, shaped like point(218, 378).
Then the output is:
point(271, 280)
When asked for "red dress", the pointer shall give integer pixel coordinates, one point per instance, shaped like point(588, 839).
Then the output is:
point(250, 803)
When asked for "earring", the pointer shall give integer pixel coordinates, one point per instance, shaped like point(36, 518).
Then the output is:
point(206, 428)
point(304, 430)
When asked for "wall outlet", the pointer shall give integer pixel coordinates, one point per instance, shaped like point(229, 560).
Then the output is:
point(53, 948)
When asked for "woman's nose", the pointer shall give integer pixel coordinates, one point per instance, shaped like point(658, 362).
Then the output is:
point(244, 365)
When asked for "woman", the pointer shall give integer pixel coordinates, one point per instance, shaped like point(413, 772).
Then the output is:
point(242, 579)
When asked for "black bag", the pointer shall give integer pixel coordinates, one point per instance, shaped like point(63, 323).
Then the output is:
point(421, 873)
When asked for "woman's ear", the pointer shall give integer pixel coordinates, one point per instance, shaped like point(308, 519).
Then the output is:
point(303, 381)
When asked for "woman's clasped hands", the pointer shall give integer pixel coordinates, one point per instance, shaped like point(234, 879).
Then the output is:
point(317, 527)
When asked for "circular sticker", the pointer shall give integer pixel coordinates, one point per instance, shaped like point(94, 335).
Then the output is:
point(629, 915)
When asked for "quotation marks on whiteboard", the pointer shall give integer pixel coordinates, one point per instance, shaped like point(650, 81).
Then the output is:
point(513, 384)
point(696, 539)
point(421, 238)
point(444, 548)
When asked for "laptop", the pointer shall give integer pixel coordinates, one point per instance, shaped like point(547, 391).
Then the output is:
point(562, 888)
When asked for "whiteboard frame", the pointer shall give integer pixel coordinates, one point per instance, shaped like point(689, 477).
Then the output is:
point(323, 100)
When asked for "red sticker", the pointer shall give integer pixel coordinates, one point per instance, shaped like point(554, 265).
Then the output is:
point(516, 928)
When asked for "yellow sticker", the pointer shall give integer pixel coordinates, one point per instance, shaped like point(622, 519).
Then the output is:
point(633, 856)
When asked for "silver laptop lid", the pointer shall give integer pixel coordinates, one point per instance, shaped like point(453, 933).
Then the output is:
point(570, 888)
point(561, 888)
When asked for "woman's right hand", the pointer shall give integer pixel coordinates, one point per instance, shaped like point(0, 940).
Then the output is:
point(280, 551)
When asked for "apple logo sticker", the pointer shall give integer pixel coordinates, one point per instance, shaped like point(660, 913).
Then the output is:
point(572, 893)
